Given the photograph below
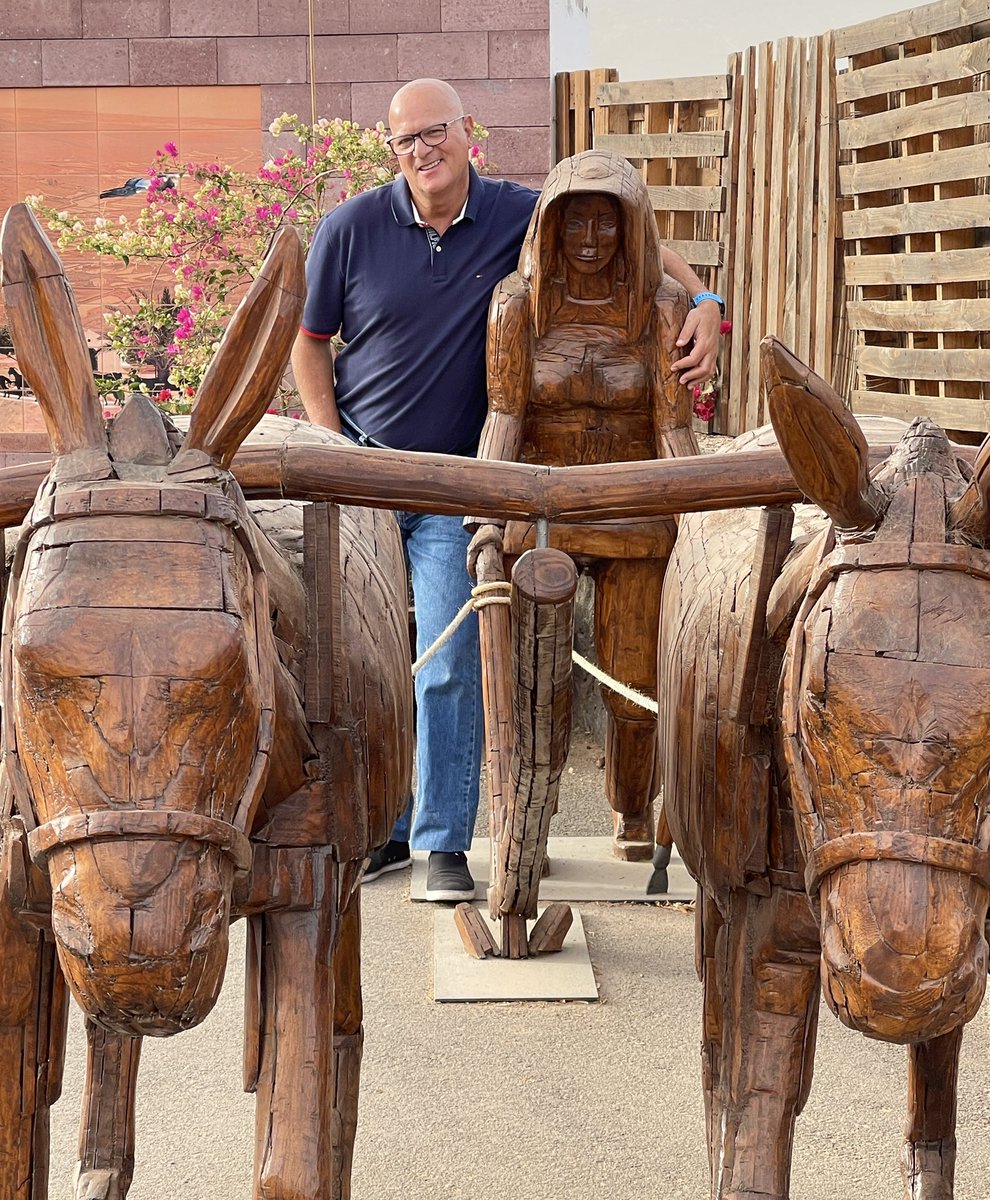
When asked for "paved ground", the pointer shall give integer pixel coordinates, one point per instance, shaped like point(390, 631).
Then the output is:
point(529, 1101)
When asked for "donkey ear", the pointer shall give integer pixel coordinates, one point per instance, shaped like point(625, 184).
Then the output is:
point(48, 336)
point(820, 438)
point(243, 376)
point(971, 512)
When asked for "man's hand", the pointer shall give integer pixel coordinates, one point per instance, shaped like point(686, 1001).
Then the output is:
point(487, 535)
point(701, 332)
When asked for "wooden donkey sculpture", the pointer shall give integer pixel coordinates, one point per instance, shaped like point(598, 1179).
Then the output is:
point(191, 733)
point(827, 739)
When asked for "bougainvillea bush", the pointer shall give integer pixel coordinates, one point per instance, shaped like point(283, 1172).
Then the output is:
point(207, 227)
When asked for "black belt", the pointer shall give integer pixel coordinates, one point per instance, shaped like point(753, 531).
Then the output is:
point(362, 438)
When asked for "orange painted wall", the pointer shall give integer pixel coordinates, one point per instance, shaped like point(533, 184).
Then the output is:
point(69, 144)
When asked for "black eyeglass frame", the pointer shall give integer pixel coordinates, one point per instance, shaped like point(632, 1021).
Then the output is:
point(421, 134)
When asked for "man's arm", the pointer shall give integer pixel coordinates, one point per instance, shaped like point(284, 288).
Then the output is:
point(312, 366)
point(701, 327)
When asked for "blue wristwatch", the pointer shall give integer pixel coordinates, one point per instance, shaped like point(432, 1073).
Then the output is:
point(696, 300)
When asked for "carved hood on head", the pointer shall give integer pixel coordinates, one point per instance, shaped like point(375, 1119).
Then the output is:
point(639, 264)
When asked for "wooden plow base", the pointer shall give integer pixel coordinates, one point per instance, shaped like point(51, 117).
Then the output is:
point(526, 653)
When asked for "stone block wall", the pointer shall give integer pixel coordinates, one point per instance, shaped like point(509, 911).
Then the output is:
point(496, 52)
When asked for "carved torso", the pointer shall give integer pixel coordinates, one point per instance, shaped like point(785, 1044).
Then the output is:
point(591, 399)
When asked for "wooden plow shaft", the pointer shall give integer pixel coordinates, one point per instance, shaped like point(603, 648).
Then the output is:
point(527, 692)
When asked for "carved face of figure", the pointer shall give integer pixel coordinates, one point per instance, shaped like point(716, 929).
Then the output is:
point(591, 233)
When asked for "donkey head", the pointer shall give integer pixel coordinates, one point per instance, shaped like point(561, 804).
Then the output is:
point(138, 656)
point(886, 714)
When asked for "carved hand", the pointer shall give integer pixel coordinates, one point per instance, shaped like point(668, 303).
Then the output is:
point(487, 535)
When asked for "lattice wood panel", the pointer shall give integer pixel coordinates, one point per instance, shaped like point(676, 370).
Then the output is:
point(914, 116)
point(674, 130)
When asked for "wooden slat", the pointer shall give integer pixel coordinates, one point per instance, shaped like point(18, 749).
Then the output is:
point(823, 286)
point(894, 363)
point(730, 273)
point(920, 315)
point(922, 216)
point(923, 316)
point(581, 85)
point(759, 310)
point(931, 116)
point(665, 91)
point(905, 26)
point(687, 199)
point(923, 70)
point(938, 267)
point(598, 79)
point(743, 121)
point(964, 162)
point(665, 145)
point(562, 115)
point(698, 254)
point(949, 412)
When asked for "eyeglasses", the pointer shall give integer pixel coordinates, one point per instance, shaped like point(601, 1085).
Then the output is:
point(433, 135)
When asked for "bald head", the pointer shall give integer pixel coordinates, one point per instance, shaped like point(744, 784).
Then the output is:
point(432, 92)
point(437, 169)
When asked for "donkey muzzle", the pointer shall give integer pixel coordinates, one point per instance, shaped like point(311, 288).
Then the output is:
point(141, 928)
point(904, 955)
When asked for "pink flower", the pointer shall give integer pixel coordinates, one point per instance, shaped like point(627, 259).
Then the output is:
point(704, 410)
point(163, 396)
point(171, 149)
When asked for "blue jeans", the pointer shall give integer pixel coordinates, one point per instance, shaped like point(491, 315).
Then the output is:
point(449, 719)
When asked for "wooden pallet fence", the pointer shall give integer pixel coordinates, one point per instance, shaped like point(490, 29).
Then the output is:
point(780, 262)
point(914, 116)
point(674, 130)
point(576, 114)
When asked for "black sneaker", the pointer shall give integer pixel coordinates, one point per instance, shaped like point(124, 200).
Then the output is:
point(448, 877)
point(393, 856)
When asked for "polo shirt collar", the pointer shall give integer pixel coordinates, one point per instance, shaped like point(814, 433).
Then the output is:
point(405, 212)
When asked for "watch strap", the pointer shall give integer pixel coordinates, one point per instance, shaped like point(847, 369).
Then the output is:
point(696, 300)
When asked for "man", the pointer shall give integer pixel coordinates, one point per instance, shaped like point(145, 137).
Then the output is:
point(405, 273)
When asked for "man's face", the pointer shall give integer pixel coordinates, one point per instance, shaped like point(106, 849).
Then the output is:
point(591, 233)
point(434, 173)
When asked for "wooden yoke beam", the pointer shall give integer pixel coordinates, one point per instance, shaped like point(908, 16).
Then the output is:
point(442, 483)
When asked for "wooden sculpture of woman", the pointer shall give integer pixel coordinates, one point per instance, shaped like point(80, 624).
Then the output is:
point(581, 339)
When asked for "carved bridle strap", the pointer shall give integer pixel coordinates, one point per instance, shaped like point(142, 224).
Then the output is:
point(900, 846)
point(882, 556)
point(54, 503)
point(139, 823)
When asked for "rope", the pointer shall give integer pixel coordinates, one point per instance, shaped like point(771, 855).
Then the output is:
point(485, 594)
point(482, 595)
point(627, 693)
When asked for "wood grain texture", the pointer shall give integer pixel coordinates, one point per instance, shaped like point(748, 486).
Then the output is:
point(580, 342)
point(859, 778)
point(175, 758)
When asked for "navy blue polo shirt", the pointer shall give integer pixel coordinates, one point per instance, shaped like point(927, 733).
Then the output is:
point(412, 309)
